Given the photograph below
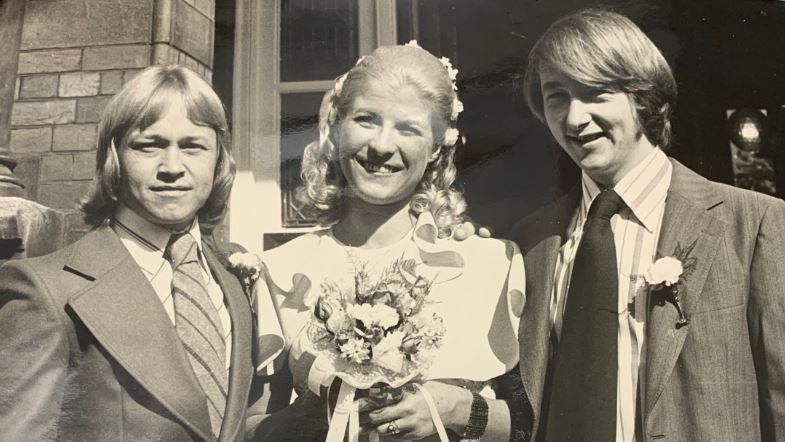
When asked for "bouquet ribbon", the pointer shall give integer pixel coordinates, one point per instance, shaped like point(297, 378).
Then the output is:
point(346, 414)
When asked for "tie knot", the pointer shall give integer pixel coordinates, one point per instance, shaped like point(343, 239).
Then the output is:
point(605, 205)
point(180, 249)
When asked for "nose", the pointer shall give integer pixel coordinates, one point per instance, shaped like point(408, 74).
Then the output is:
point(171, 166)
point(382, 143)
point(578, 115)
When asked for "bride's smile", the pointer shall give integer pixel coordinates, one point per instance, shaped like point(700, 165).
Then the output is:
point(385, 143)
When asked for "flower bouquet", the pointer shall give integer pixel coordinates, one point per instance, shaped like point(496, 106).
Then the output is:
point(378, 331)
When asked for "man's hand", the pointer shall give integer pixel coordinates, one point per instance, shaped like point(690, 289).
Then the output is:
point(468, 229)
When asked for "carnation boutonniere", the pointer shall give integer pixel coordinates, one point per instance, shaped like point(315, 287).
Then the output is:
point(248, 268)
point(666, 276)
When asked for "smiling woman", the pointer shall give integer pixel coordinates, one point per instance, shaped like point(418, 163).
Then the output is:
point(386, 142)
point(380, 176)
point(401, 96)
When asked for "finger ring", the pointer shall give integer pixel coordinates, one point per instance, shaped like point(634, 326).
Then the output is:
point(392, 428)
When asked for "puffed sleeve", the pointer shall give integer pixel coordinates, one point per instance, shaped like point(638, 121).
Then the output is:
point(509, 386)
point(516, 283)
point(269, 341)
point(284, 289)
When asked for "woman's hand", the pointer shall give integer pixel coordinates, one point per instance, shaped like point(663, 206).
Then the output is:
point(411, 416)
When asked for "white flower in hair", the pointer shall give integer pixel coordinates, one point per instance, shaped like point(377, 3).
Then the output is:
point(412, 43)
point(451, 72)
point(450, 136)
point(457, 108)
point(339, 84)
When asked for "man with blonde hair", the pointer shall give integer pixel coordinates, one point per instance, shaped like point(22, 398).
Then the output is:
point(139, 330)
point(655, 299)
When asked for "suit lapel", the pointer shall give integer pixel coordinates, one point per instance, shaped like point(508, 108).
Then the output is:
point(241, 370)
point(540, 248)
point(687, 221)
point(122, 311)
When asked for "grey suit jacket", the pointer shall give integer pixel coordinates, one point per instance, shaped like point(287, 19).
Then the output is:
point(720, 378)
point(88, 354)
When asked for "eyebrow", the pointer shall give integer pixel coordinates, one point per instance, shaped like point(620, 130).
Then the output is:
point(413, 123)
point(157, 138)
point(551, 85)
point(368, 110)
point(192, 138)
point(359, 110)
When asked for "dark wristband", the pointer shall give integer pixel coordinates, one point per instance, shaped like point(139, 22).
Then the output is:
point(478, 418)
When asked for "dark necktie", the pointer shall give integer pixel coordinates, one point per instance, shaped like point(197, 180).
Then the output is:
point(583, 394)
point(198, 325)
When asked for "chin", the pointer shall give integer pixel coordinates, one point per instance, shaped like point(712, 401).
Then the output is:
point(170, 219)
point(379, 199)
point(594, 161)
point(176, 224)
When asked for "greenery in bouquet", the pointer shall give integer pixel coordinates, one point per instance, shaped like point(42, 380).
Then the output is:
point(381, 324)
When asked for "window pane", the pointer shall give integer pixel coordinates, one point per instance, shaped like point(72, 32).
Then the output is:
point(318, 39)
point(407, 20)
point(428, 22)
point(299, 121)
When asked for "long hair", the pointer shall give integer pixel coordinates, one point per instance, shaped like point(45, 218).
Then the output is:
point(139, 104)
point(323, 189)
point(604, 49)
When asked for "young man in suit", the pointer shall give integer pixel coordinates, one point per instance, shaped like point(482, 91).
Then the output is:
point(614, 347)
point(138, 331)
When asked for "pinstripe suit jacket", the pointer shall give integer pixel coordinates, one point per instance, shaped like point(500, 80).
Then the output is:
point(88, 354)
point(720, 378)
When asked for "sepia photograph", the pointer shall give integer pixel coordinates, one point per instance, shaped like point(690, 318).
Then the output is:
point(392, 220)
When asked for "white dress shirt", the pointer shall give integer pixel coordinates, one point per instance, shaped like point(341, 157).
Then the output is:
point(146, 243)
point(636, 229)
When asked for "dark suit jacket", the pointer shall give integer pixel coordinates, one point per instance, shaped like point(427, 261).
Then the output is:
point(722, 377)
point(88, 354)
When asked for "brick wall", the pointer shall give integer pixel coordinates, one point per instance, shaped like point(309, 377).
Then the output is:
point(75, 54)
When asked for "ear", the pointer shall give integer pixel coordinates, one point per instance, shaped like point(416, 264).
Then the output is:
point(435, 154)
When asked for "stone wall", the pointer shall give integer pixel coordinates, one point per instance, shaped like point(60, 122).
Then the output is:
point(75, 54)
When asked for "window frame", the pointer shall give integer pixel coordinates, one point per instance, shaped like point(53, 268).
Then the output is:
point(256, 203)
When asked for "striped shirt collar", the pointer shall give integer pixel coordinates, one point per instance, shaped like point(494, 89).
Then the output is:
point(643, 189)
point(149, 240)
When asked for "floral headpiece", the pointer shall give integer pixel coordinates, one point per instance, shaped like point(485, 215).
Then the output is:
point(451, 134)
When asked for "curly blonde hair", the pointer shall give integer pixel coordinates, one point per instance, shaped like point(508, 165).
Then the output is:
point(324, 185)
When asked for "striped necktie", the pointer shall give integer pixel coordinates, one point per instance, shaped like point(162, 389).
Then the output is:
point(198, 324)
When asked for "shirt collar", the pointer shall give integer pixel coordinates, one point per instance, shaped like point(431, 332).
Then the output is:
point(643, 189)
point(148, 240)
